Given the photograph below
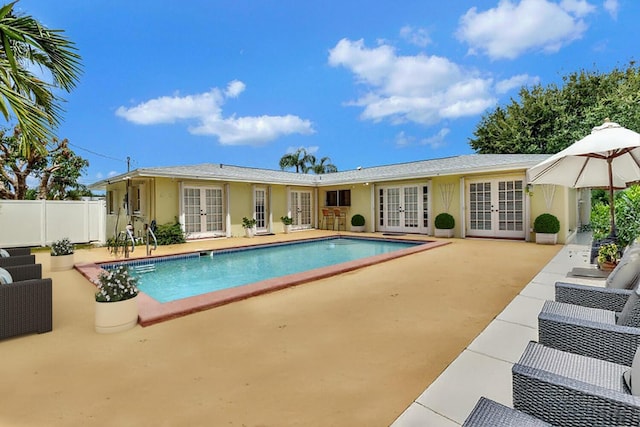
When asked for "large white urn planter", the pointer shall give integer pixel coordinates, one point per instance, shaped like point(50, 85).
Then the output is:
point(62, 262)
point(116, 316)
point(546, 238)
point(443, 232)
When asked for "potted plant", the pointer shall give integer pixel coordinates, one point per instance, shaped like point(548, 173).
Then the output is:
point(249, 226)
point(608, 256)
point(445, 223)
point(546, 227)
point(357, 223)
point(62, 255)
point(286, 221)
point(116, 301)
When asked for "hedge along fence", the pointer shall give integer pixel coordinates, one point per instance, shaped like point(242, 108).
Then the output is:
point(40, 222)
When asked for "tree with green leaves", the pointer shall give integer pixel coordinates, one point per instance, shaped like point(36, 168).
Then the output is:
point(324, 166)
point(24, 45)
point(545, 120)
point(57, 169)
point(299, 159)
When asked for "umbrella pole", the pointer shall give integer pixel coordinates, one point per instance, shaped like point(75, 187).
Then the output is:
point(612, 208)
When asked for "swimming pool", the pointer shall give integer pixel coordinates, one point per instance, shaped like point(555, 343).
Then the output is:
point(210, 271)
point(151, 311)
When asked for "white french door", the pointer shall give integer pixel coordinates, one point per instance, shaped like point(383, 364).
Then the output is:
point(260, 209)
point(496, 208)
point(300, 207)
point(202, 211)
point(403, 209)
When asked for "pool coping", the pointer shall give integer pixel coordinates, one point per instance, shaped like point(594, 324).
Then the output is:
point(151, 311)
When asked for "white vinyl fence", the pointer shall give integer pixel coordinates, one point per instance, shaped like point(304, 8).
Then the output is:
point(40, 222)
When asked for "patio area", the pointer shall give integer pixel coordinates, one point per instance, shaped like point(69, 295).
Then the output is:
point(350, 350)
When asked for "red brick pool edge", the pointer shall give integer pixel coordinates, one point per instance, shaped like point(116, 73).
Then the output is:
point(151, 311)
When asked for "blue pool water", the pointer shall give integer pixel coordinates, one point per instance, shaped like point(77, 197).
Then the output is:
point(195, 275)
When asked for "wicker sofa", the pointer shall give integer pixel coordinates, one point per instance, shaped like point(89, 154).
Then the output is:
point(17, 260)
point(26, 305)
point(571, 390)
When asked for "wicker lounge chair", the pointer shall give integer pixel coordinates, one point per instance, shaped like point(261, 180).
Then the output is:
point(25, 304)
point(488, 413)
point(17, 260)
point(603, 334)
point(571, 390)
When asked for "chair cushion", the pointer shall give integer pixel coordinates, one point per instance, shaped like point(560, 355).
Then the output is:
point(626, 273)
point(5, 277)
point(632, 373)
point(630, 314)
point(4, 254)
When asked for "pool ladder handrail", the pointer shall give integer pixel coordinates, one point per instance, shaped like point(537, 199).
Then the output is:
point(155, 241)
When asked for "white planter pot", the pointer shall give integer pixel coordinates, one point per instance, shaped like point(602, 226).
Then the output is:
point(249, 232)
point(547, 238)
point(287, 229)
point(116, 316)
point(443, 232)
point(62, 262)
point(357, 228)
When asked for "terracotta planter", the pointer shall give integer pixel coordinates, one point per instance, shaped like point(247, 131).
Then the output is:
point(116, 316)
point(607, 265)
point(62, 262)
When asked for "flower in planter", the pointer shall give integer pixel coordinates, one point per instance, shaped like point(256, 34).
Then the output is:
point(608, 253)
point(116, 285)
point(62, 247)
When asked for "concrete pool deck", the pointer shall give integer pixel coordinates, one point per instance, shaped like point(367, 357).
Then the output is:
point(350, 350)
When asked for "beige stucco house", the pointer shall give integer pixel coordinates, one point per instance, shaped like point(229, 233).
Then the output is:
point(487, 194)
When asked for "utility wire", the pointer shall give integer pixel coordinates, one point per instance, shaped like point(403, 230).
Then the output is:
point(100, 155)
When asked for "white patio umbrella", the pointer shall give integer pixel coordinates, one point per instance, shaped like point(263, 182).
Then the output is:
point(609, 157)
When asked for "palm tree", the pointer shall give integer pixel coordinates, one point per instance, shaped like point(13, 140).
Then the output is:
point(25, 43)
point(298, 159)
point(323, 167)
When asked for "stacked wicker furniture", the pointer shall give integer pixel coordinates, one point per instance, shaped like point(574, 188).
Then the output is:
point(588, 339)
point(26, 305)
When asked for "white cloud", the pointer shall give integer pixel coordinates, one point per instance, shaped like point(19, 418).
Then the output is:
point(518, 81)
point(417, 36)
point(434, 141)
point(234, 89)
point(421, 88)
point(205, 110)
point(612, 7)
point(511, 29)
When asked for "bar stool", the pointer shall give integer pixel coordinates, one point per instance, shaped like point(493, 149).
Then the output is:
point(327, 218)
point(340, 218)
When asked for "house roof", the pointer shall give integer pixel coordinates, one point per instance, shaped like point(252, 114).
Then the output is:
point(456, 165)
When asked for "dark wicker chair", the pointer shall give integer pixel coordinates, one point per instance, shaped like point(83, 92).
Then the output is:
point(26, 305)
point(488, 413)
point(570, 390)
point(603, 334)
point(18, 251)
point(17, 260)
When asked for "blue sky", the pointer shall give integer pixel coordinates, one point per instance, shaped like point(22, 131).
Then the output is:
point(365, 83)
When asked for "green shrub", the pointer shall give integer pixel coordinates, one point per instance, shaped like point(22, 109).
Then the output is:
point(445, 221)
point(357, 220)
point(169, 234)
point(546, 223)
